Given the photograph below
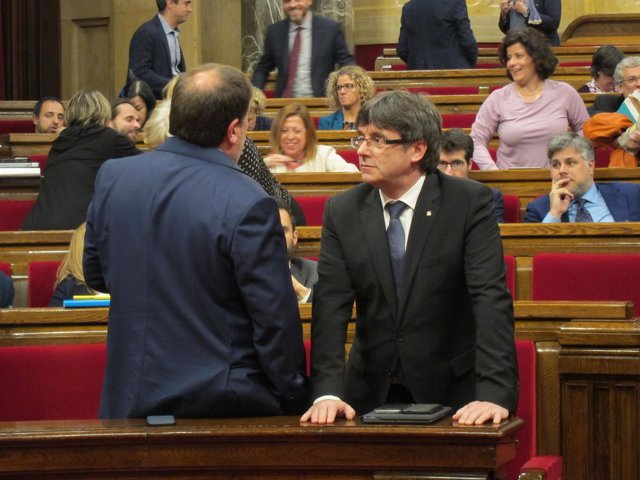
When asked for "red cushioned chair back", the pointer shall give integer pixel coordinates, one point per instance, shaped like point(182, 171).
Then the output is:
point(398, 67)
point(602, 155)
point(526, 353)
point(40, 160)
point(16, 126)
point(13, 213)
point(42, 278)
point(350, 156)
point(458, 120)
point(511, 208)
point(5, 268)
point(510, 263)
point(313, 208)
point(51, 382)
point(316, 121)
point(577, 276)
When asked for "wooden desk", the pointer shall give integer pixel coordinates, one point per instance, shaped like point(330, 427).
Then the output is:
point(19, 248)
point(268, 448)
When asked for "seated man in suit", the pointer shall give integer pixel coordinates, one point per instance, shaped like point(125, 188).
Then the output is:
point(125, 119)
point(48, 115)
point(574, 196)
point(288, 47)
point(304, 272)
point(155, 56)
point(456, 155)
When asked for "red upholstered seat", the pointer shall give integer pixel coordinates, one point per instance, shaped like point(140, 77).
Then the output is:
point(575, 64)
point(13, 213)
point(511, 208)
point(582, 276)
point(602, 157)
point(5, 268)
point(458, 120)
point(313, 208)
point(316, 121)
point(351, 156)
point(16, 126)
point(42, 278)
point(489, 65)
point(397, 67)
point(51, 382)
point(41, 160)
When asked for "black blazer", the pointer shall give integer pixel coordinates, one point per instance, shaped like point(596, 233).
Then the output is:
point(550, 12)
point(436, 35)
point(150, 57)
point(451, 328)
point(328, 50)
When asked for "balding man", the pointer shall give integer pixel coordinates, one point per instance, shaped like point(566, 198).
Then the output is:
point(203, 320)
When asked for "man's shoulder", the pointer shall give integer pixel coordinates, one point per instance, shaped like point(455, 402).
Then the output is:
point(626, 188)
point(323, 22)
point(149, 27)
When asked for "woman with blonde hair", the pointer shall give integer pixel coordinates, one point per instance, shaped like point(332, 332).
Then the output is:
point(295, 145)
point(347, 89)
point(70, 277)
point(74, 159)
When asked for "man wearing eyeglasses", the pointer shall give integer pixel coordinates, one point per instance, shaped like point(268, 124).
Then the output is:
point(420, 254)
point(456, 155)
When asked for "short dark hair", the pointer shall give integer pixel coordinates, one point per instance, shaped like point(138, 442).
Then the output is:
point(457, 139)
point(141, 89)
point(201, 114)
point(282, 205)
point(38, 106)
point(536, 45)
point(605, 59)
point(115, 105)
point(162, 4)
point(413, 116)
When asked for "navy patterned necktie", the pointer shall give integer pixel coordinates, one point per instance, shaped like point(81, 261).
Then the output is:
point(582, 214)
point(395, 236)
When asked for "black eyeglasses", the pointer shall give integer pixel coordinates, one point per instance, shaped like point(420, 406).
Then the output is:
point(347, 86)
point(378, 142)
point(455, 165)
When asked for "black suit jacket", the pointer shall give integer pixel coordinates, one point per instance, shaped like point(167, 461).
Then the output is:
point(550, 12)
point(328, 50)
point(436, 35)
point(150, 57)
point(451, 327)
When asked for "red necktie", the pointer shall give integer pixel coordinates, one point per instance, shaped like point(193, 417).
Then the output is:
point(294, 55)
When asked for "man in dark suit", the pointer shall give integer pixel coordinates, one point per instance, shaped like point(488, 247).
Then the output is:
point(436, 35)
point(155, 55)
point(203, 320)
point(456, 155)
point(304, 272)
point(322, 47)
point(434, 324)
point(574, 196)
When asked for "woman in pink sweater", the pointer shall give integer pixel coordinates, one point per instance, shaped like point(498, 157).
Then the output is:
point(530, 110)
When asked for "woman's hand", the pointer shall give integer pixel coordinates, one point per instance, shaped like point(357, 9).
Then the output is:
point(276, 159)
point(520, 6)
point(504, 7)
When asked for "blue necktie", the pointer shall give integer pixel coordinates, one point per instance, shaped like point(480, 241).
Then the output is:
point(395, 236)
point(582, 214)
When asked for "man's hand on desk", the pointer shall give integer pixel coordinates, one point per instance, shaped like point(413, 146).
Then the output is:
point(477, 413)
point(326, 411)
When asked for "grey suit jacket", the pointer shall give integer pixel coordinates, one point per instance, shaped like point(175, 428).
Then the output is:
point(306, 272)
point(450, 327)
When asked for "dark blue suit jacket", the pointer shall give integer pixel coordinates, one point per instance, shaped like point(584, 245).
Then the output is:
point(328, 49)
point(622, 199)
point(203, 319)
point(550, 12)
point(435, 35)
point(150, 57)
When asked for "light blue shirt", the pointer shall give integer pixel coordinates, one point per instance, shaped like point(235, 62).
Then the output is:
point(595, 205)
point(174, 44)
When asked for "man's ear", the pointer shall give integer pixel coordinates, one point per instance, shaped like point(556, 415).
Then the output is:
point(420, 149)
point(34, 119)
point(233, 132)
point(295, 237)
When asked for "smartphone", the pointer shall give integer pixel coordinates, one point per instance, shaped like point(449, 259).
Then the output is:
point(422, 408)
point(391, 408)
point(155, 420)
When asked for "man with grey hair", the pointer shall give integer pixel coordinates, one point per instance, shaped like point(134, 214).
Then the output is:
point(203, 319)
point(574, 196)
point(420, 254)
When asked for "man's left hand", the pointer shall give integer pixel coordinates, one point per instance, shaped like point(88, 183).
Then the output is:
point(477, 413)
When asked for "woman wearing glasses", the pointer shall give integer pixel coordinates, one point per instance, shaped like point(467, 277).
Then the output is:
point(530, 110)
point(295, 145)
point(347, 89)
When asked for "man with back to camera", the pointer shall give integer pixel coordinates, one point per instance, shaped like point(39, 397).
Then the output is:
point(420, 253)
point(304, 48)
point(203, 319)
point(125, 119)
point(304, 272)
point(574, 196)
point(155, 55)
point(436, 35)
point(456, 155)
point(48, 115)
